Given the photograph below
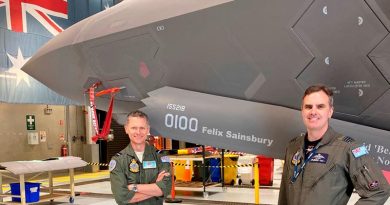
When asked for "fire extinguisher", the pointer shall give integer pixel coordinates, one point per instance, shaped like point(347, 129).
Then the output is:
point(64, 150)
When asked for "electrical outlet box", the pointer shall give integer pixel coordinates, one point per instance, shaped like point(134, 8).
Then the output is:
point(33, 138)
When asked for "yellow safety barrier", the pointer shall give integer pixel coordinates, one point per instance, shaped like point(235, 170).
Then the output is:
point(234, 153)
point(99, 164)
point(256, 173)
point(226, 166)
point(181, 164)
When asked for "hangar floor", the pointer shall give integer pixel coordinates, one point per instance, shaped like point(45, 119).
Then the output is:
point(94, 189)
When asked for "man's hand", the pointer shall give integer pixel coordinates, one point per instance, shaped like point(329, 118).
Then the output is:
point(130, 187)
point(161, 175)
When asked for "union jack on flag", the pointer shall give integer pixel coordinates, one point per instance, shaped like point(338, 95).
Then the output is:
point(41, 10)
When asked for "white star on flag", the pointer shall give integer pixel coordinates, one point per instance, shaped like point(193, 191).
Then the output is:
point(106, 6)
point(17, 64)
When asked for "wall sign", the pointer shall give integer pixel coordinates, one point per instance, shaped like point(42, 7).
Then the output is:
point(30, 122)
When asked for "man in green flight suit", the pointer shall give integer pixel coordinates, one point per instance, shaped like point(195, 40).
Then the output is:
point(138, 174)
point(323, 167)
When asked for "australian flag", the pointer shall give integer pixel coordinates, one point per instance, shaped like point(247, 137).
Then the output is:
point(25, 25)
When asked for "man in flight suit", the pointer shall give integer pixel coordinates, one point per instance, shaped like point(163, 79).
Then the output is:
point(323, 166)
point(138, 174)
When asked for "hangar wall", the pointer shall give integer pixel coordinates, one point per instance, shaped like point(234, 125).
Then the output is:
point(13, 131)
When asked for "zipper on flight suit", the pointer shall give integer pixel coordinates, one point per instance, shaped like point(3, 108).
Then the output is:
point(141, 173)
point(367, 176)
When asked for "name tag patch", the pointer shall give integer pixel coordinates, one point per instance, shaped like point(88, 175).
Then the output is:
point(360, 151)
point(149, 164)
point(165, 159)
point(319, 158)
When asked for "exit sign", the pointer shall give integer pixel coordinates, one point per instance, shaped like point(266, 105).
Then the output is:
point(30, 122)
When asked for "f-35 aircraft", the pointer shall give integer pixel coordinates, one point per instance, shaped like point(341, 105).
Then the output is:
point(231, 74)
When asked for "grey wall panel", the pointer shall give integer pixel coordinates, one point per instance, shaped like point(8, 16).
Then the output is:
point(13, 131)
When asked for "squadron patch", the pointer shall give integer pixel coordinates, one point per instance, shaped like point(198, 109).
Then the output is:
point(134, 167)
point(373, 185)
point(296, 159)
point(165, 159)
point(320, 158)
point(112, 165)
point(360, 151)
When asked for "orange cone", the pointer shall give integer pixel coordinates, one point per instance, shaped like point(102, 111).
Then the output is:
point(187, 172)
point(173, 193)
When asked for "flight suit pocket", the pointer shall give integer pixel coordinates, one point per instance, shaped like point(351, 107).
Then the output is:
point(366, 181)
point(326, 172)
point(151, 175)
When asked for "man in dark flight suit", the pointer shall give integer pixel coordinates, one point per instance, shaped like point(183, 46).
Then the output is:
point(323, 166)
point(138, 174)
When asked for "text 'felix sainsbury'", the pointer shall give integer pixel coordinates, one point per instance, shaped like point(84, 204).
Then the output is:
point(237, 135)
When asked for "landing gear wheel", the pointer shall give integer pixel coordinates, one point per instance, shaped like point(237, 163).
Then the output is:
point(71, 200)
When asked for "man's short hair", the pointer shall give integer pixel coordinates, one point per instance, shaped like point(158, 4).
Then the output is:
point(318, 88)
point(137, 113)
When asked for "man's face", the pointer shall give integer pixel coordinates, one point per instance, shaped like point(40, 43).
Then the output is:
point(316, 111)
point(137, 128)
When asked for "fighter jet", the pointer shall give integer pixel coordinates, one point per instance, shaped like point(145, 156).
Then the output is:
point(231, 73)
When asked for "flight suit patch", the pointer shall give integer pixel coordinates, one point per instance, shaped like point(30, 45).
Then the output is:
point(296, 159)
point(134, 167)
point(320, 158)
point(112, 165)
point(165, 159)
point(149, 164)
point(373, 185)
point(348, 139)
point(360, 151)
